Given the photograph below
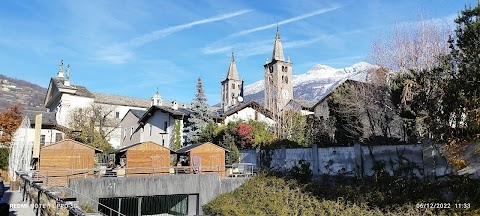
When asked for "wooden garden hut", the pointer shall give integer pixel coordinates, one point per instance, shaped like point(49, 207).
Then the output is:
point(67, 159)
point(204, 157)
point(146, 158)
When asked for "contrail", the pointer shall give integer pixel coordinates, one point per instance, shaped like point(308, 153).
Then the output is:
point(293, 19)
point(138, 41)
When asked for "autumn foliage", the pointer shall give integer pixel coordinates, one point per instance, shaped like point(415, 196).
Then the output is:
point(10, 120)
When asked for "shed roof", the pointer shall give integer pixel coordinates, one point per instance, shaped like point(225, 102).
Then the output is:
point(73, 141)
point(192, 146)
point(137, 144)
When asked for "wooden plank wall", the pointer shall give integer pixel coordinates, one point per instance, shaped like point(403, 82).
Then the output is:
point(148, 155)
point(212, 158)
point(58, 161)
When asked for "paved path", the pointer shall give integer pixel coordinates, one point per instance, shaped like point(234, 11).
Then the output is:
point(17, 206)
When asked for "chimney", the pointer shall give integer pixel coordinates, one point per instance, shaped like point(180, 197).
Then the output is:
point(175, 105)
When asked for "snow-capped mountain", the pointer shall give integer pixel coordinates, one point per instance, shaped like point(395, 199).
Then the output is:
point(315, 83)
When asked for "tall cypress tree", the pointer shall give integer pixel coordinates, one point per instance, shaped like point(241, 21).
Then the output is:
point(199, 117)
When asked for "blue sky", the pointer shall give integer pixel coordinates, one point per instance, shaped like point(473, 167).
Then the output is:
point(132, 48)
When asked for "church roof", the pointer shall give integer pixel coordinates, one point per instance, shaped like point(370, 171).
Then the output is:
point(81, 90)
point(232, 70)
point(277, 48)
point(121, 100)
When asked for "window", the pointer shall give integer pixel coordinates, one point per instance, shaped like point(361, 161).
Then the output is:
point(117, 115)
point(124, 133)
point(233, 86)
point(163, 142)
point(42, 139)
point(165, 127)
point(151, 130)
point(131, 131)
point(286, 80)
point(58, 137)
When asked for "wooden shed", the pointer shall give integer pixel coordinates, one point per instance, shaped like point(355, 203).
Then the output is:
point(208, 156)
point(64, 160)
point(147, 158)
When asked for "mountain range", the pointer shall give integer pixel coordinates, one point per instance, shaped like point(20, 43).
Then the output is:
point(316, 83)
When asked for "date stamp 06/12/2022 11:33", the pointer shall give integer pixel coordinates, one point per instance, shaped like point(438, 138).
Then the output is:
point(443, 205)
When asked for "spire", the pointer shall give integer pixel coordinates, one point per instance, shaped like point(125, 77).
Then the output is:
point(232, 69)
point(277, 48)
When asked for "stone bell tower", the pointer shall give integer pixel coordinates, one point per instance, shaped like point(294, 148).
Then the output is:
point(278, 78)
point(231, 87)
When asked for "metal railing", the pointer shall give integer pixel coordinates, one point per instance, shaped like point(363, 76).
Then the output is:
point(234, 170)
point(33, 190)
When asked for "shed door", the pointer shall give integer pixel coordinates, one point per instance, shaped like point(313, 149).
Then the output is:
point(196, 163)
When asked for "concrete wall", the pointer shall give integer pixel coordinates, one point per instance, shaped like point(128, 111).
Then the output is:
point(425, 160)
point(206, 187)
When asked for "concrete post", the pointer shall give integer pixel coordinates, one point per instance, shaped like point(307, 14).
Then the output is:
point(357, 148)
point(283, 158)
point(314, 150)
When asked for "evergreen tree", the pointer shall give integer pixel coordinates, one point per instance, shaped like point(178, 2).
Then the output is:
point(462, 100)
point(199, 117)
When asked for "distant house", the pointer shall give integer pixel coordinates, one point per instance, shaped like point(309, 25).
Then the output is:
point(248, 111)
point(50, 131)
point(301, 106)
point(155, 125)
point(321, 108)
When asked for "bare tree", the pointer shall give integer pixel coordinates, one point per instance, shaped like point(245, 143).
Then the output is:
point(94, 124)
point(412, 46)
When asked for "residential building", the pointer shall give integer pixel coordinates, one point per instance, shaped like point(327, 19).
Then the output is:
point(157, 124)
point(248, 111)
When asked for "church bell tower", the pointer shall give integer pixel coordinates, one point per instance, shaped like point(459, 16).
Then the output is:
point(232, 87)
point(278, 78)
